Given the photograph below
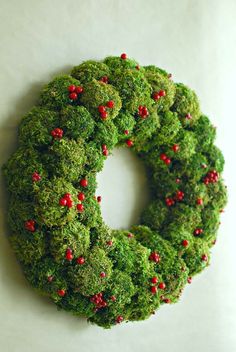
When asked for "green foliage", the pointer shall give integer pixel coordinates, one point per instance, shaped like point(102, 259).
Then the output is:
point(108, 274)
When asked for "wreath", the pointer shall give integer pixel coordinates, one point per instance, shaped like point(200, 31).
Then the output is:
point(59, 237)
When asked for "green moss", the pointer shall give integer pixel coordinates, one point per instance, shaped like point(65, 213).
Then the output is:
point(55, 95)
point(19, 171)
point(87, 277)
point(77, 122)
point(35, 127)
point(186, 102)
point(89, 70)
point(66, 158)
point(99, 93)
point(160, 82)
point(46, 178)
point(75, 237)
point(47, 208)
point(133, 89)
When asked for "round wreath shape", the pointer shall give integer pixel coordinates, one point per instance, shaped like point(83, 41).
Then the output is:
point(66, 250)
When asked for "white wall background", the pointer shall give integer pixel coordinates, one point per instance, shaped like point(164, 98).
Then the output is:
point(195, 40)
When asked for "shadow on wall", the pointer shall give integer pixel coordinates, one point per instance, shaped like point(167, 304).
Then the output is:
point(11, 274)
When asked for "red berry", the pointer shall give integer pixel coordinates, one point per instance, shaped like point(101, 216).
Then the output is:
point(185, 243)
point(110, 104)
point(80, 207)
point(50, 278)
point(167, 161)
point(102, 274)
point(79, 89)
point(69, 203)
point(137, 67)
point(188, 116)
point(129, 143)
point(163, 156)
point(162, 93)
point(175, 148)
point(71, 88)
point(178, 180)
point(119, 319)
point(36, 177)
point(156, 96)
point(204, 258)
point(153, 289)
point(113, 298)
point(105, 152)
point(104, 115)
point(104, 79)
point(170, 202)
point(73, 96)
point(198, 232)
point(189, 279)
point(101, 108)
point(199, 201)
point(61, 293)
point(81, 196)
point(67, 196)
point(83, 182)
point(69, 255)
point(126, 132)
point(162, 285)
point(80, 260)
point(154, 280)
point(30, 225)
point(63, 202)
point(99, 199)
point(167, 300)
point(123, 56)
point(130, 235)
point(109, 243)
point(179, 195)
point(154, 256)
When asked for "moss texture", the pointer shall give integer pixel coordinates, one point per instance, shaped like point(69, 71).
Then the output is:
point(66, 250)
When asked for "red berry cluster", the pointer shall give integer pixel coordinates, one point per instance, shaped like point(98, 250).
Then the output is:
point(157, 95)
point(36, 177)
point(98, 300)
point(211, 177)
point(179, 196)
point(57, 133)
point(165, 158)
point(69, 254)
point(155, 257)
point(185, 243)
point(104, 79)
point(102, 109)
point(198, 232)
point(74, 91)
point(66, 200)
point(154, 289)
point(105, 151)
point(99, 199)
point(30, 225)
point(81, 198)
point(143, 111)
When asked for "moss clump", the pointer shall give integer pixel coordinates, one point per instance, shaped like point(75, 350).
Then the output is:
point(89, 70)
point(77, 122)
point(65, 249)
point(47, 197)
point(99, 93)
point(66, 157)
point(133, 89)
point(186, 105)
point(36, 126)
point(55, 95)
point(74, 237)
point(161, 82)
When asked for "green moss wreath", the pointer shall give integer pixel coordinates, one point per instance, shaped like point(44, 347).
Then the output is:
point(66, 250)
